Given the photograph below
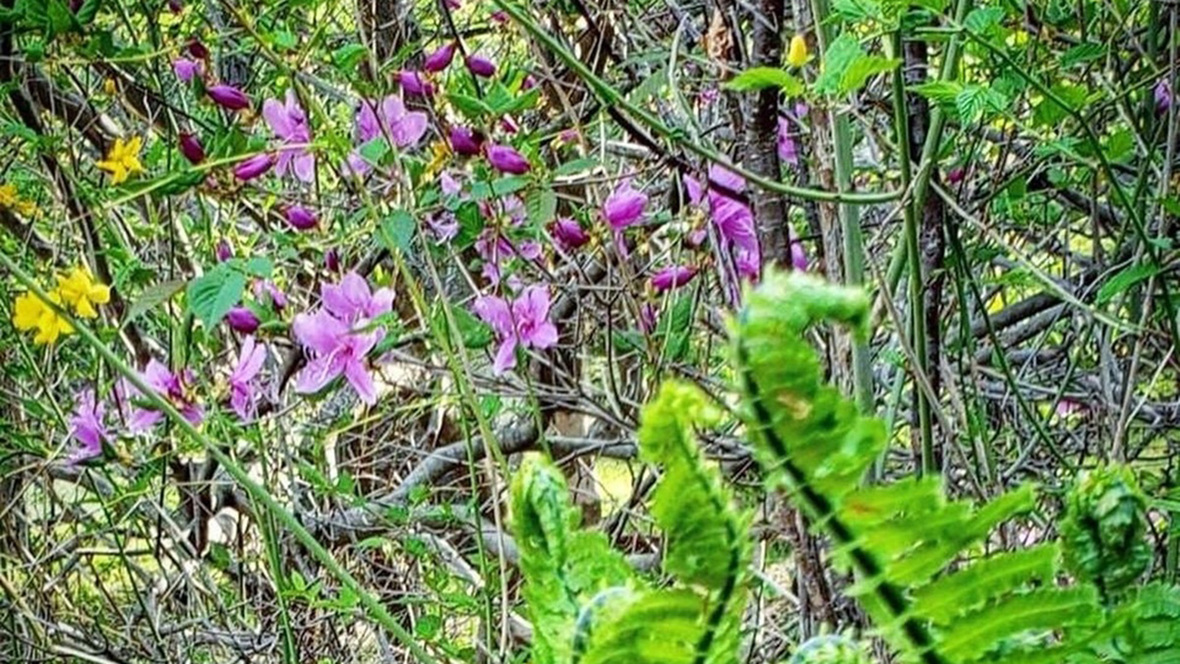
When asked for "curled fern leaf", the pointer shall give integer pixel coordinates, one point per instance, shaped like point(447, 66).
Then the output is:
point(1104, 527)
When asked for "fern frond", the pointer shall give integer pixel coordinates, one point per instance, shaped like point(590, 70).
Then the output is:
point(945, 599)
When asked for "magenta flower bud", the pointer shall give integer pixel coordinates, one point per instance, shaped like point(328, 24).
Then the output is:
point(332, 260)
point(624, 207)
point(266, 288)
point(300, 218)
point(671, 277)
point(191, 148)
point(529, 82)
point(440, 59)
point(500, 16)
point(228, 97)
point(481, 66)
point(223, 251)
point(413, 83)
point(254, 167)
point(798, 256)
point(955, 175)
point(197, 49)
point(465, 141)
point(568, 234)
point(242, 320)
point(175, 6)
point(507, 160)
point(454, 4)
point(508, 125)
point(1163, 95)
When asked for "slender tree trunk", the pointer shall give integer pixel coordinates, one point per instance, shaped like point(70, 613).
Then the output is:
point(770, 212)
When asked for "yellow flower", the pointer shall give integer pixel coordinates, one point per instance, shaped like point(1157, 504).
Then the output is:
point(8, 196)
point(797, 52)
point(78, 288)
point(26, 208)
point(108, 87)
point(122, 160)
point(31, 312)
point(439, 155)
point(26, 311)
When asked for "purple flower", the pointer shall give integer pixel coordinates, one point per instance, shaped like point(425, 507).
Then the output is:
point(170, 386)
point(223, 251)
point(351, 300)
point(242, 319)
point(243, 392)
point(389, 120)
point(175, 6)
point(956, 175)
point(300, 218)
point(228, 97)
point(449, 185)
point(529, 82)
point(798, 256)
point(465, 141)
point(267, 288)
point(1163, 95)
point(525, 322)
point(624, 206)
point(414, 83)
point(87, 427)
point(568, 234)
point(440, 59)
point(288, 121)
point(186, 70)
point(507, 160)
point(191, 148)
point(500, 16)
point(254, 167)
point(672, 277)
point(332, 260)
point(481, 66)
point(788, 152)
point(335, 350)
point(445, 226)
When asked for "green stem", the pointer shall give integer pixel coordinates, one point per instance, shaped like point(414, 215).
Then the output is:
point(910, 213)
point(376, 610)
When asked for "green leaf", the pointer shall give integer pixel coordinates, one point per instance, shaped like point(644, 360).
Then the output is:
point(1124, 280)
point(347, 57)
point(472, 107)
point(761, 78)
point(375, 150)
point(211, 296)
point(541, 207)
point(152, 297)
point(260, 266)
point(397, 231)
point(475, 333)
point(1082, 53)
point(943, 92)
point(846, 67)
point(863, 68)
point(976, 102)
point(88, 11)
point(982, 19)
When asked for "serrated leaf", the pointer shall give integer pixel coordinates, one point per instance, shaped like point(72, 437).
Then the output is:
point(541, 207)
point(863, 68)
point(347, 57)
point(982, 19)
point(1124, 280)
point(152, 297)
point(761, 78)
point(211, 296)
point(943, 92)
point(846, 67)
point(472, 107)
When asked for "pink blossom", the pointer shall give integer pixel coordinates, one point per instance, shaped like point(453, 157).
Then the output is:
point(449, 185)
point(335, 350)
point(507, 160)
point(568, 234)
point(223, 251)
point(414, 83)
point(228, 97)
point(440, 59)
point(788, 152)
point(87, 427)
point(243, 391)
point(390, 120)
point(289, 123)
point(524, 322)
point(624, 206)
point(172, 387)
point(186, 70)
point(352, 300)
point(673, 277)
point(1163, 95)
point(242, 320)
